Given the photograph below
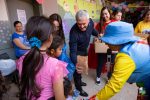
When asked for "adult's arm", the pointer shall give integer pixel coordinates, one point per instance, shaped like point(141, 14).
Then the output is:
point(95, 32)
point(73, 46)
point(20, 44)
point(124, 67)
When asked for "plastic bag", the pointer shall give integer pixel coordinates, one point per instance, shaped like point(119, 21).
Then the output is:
point(83, 62)
point(7, 66)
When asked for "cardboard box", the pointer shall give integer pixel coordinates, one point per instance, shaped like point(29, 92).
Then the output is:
point(100, 47)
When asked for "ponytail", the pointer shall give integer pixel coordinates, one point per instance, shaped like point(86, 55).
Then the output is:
point(38, 30)
point(32, 63)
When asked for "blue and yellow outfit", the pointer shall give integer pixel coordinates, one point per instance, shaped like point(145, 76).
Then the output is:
point(132, 63)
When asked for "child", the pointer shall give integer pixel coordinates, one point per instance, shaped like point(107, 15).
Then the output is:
point(56, 21)
point(41, 76)
point(55, 51)
point(68, 90)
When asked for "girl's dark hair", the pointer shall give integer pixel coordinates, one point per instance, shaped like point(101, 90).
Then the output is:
point(115, 12)
point(57, 17)
point(37, 26)
point(145, 12)
point(102, 20)
point(67, 87)
point(57, 41)
point(16, 22)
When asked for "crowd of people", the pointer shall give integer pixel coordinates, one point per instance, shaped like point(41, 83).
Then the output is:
point(46, 71)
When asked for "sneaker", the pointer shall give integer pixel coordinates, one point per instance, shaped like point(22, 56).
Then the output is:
point(98, 81)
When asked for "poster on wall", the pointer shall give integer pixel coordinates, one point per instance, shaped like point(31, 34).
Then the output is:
point(68, 8)
point(22, 17)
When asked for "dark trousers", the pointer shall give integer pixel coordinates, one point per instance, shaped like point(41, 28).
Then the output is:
point(77, 80)
point(147, 87)
point(76, 75)
point(101, 61)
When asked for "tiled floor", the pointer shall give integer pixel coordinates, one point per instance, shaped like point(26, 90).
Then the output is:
point(129, 92)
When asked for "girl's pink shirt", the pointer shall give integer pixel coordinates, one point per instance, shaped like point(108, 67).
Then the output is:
point(52, 71)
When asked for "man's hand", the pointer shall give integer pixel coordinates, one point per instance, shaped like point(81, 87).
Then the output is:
point(96, 39)
point(79, 69)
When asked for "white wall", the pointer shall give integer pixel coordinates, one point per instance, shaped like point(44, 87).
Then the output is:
point(3, 11)
point(49, 7)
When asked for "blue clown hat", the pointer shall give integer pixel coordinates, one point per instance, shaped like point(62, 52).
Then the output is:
point(118, 33)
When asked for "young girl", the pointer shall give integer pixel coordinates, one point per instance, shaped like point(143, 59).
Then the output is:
point(117, 15)
point(56, 21)
point(55, 51)
point(41, 76)
point(105, 19)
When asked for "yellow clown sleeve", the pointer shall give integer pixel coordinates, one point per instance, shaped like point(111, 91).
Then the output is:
point(123, 68)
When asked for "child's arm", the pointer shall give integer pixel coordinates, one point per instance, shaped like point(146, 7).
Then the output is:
point(124, 67)
point(59, 90)
point(58, 75)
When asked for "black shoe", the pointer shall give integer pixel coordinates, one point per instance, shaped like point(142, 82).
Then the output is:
point(83, 84)
point(83, 93)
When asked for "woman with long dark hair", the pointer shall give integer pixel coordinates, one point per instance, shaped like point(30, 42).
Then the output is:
point(56, 21)
point(105, 19)
point(41, 76)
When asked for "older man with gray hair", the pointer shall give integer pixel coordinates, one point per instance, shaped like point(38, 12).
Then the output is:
point(78, 41)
